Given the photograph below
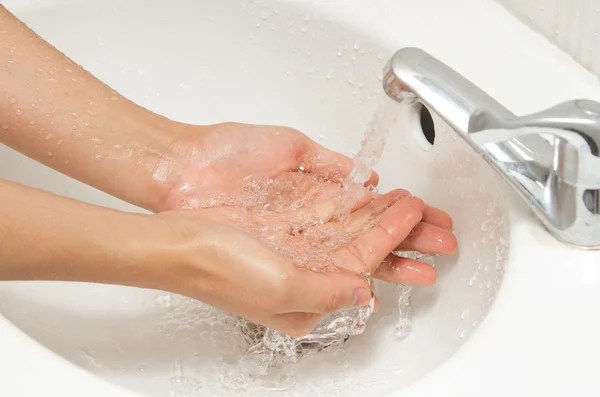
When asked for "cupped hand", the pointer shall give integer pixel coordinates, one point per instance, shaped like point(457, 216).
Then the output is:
point(248, 263)
point(206, 161)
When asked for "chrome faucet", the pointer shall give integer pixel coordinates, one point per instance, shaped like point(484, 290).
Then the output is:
point(550, 158)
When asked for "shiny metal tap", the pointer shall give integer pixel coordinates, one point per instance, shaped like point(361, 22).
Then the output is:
point(550, 158)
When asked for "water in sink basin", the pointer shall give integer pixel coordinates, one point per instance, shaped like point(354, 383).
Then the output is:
point(296, 68)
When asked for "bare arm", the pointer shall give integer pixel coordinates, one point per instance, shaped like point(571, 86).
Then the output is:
point(49, 237)
point(55, 112)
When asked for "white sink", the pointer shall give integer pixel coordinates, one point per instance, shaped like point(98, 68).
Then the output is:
point(316, 66)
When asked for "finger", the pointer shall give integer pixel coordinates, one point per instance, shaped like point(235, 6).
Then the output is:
point(367, 251)
point(437, 217)
point(326, 292)
point(319, 159)
point(376, 206)
point(429, 239)
point(405, 271)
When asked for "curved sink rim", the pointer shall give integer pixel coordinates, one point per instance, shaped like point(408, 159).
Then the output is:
point(525, 234)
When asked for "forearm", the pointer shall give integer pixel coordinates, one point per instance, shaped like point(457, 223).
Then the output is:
point(55, 112)
point(49, 237)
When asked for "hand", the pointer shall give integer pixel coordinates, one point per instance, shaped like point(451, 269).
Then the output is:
point(206, 161)
point(233, 270)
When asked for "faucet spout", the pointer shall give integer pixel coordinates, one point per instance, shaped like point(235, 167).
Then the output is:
point(458, 102)
point(550, 158)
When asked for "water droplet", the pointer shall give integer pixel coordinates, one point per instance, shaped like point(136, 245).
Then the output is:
point(97, 157)
point(472, 280)
point(59, 142)
point(49, 154)
point(18, 112)
point(48, 136)
point(66, 161)
point(99, 41)
point(5, 126)
point(12, 99)
point(69, 70)
point(464, 314)
point(321, 137)
point(356, 47)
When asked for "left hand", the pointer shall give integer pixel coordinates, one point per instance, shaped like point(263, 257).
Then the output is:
point(207, 161)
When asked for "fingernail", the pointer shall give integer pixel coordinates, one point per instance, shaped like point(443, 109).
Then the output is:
point(362, 297)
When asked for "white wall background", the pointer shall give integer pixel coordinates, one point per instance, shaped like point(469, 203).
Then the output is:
point(574, 25)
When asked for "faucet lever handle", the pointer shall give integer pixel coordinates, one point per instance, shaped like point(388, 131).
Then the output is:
point(574, 162)
point(581, 116)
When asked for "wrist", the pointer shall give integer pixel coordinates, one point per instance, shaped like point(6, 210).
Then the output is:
point(153, 140)
point(176, 159)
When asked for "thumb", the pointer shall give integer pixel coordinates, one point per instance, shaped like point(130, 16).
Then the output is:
point(329, 292)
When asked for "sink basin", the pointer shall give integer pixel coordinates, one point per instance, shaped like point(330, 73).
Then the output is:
point(317, 68)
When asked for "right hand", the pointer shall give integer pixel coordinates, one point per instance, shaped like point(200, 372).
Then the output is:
point(232, 270)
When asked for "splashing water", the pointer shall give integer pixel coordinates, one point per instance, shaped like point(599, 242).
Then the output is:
point(338, 327)
point(296, 190)
point(309, 241)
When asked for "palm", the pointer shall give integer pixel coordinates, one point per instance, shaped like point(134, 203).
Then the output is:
point(212, 161)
